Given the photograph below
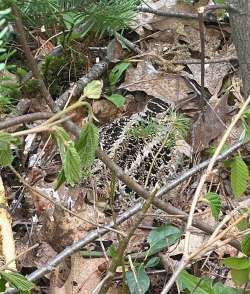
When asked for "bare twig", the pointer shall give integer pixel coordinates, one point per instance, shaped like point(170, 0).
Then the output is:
point(168, 13)
point(29, 56)
point(206, 61)
point(22, 119)
point(202, 44)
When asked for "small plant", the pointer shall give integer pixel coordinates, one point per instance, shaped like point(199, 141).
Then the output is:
point(145, 130)
point(158, 239)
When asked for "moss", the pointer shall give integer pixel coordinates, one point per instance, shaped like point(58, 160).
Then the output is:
point(9, 94)
point(30, 89)
point(60, 71)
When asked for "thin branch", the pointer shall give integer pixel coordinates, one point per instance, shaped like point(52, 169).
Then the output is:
point(185, 15)
point(206, 61)
point(29, 56)
point(22, 119)
point(167, 13)
point(202, 44)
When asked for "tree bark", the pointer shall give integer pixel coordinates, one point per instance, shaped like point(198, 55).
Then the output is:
point(240, 23)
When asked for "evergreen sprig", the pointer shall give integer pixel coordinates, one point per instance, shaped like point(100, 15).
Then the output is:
point(99, 17)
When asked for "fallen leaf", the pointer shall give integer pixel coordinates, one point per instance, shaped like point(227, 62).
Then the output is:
point(168, 87)
point(84, 276)
point(211, 124)
point(214, 75)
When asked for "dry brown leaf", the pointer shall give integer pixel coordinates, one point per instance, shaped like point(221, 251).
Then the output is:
point(208, 126)
point(62, 229)
point(85, 275)
point(213, 39)
point(168, 87)
point(214, 75)
point(115, 52)
point(196, 241)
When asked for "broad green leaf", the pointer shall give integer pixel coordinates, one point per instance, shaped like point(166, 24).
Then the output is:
point(240, 277)
point(116, 72)
point(245, 245)
point(62, 138)
point(197, 285)
point(72, 165)
point(87, 144)
point(6, 157)
point(237, 263)
point(162, 237)
point(154, 261)
point(190, 282)
point(239, 176)
point(18, 281)
point(142, 278)
point(93, 90)
point(117, 99)
point(219, 288)
point(215, 204)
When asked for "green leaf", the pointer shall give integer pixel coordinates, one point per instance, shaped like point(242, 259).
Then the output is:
point(162, 237)
point(6, 139)
point(2, 284)
point(62, 138)
point(237, 263)
point(243, 225)
point(190, 282)
point(239, 176)
point(246, 113)
point(112, 251)
point(215, 204)
point(18, 281)
point(154, 261)
point(117, 99)
point(219, 288)
point(245, 245)
point(61, 179)
point(240, 277)
point(6, 157)
point(202, 286)
point(142, 278)
point(72, 164)
point(116, 72)
point(87, 144)
point(93, 90)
